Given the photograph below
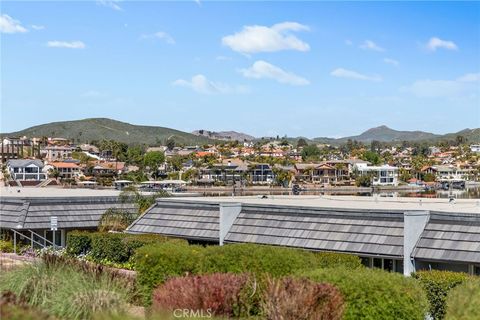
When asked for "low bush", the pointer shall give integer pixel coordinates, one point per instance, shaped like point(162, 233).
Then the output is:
point(218, 294)
point(437, 284)
point(110, 248)
point(375, 294)
point(62, 289)
point(276, 261)
point(79, 242)
point(302, 299)
point(6, 246)
point(463, 302)
point(156, 263)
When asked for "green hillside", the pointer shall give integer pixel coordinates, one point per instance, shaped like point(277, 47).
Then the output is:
point(86, 130)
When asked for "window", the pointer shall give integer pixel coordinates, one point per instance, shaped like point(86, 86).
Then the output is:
point(377, 263)
point(388, 265)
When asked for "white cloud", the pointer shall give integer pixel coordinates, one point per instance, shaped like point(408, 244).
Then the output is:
point(349, 42)
point(461, 86)
point(10, 25)
point(199, 83)
point(261, 69)
point(66, 44)
point(393, 62)
point(223, 58)
point(110, 4)
point(435, 43)
point(256, 38)
point(37, 27)
point(161, 35)
point(94, 94)
point(370, 45)
point(350, 74)
point(469, 77)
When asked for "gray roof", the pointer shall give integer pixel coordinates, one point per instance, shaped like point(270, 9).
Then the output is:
point(196, 221)
point(365, 233)
point(72, 213)
point(453, 238)
point(22, 163)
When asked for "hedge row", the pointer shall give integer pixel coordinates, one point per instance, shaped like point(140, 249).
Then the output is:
point(113, 247)
point(437, 284)
point(158, 262)
point(463, 302)
point(375, 294)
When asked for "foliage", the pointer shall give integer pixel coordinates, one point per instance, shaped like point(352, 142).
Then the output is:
point(131, 194)
point(375, 294)
point(364, 180)
point(301, 143)
point(63, 290)
point(13, 308)
point(217, 294)
point(372, 157)
point(429, 177)
point(302, 299)
point(310, 152)
point(116, 220)
point(463, 302)
point(112, 249)
point(79, 242)
point(154, 159)
point(6, 246)
point(276, 261)
point(156, 263)
point(437, 284)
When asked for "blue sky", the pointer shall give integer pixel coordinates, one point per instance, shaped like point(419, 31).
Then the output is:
point(264, 68)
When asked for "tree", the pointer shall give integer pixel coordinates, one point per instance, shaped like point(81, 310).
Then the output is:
point(301, 143)
point(131, 194)
point(170, 144)
point(154, 159)
point(363, 181)
point(372, 157)
point(310, 152)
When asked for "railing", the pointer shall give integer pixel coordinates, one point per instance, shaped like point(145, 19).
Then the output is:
point(32, 240)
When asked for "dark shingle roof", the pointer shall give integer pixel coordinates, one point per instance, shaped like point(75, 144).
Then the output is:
point(198, 221)
point(75, 212)
point(368, 233)
point(453, 238)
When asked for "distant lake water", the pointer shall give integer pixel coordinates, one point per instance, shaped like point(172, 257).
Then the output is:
point(467, 193)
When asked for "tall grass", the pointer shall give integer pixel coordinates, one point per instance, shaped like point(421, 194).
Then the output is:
point(67, 291)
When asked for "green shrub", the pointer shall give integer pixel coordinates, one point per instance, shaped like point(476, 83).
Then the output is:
point(156, 263)
point(375, 294)
point(276, 261)
point(463, 302)
point(6, 246)
point(113, 248)
point(110, 247)
point(437, 284)
point(79, 242)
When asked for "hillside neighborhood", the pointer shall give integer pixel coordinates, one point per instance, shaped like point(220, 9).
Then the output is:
point(47, 161)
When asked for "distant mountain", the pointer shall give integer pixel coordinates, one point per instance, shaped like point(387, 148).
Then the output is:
point(386, 134)
point(86, 130)
point(224, 135)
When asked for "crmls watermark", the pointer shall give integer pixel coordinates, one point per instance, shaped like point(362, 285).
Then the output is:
point(189, 313)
